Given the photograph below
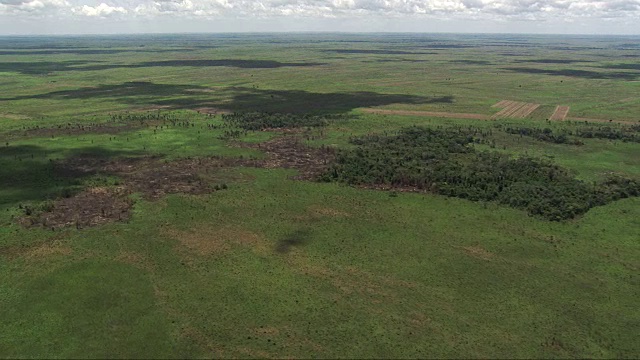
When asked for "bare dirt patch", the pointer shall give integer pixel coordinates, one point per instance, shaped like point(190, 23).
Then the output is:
point(288, 151)
point(151, 176)
point(208, 240)
point(14, 116)
point(514, 109)
point(560, 113)
point(154, 177)
point(478, 252)
point(211, 111)
point(428, 113)
point(94, 206)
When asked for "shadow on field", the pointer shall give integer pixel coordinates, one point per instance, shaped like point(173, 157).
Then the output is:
point(236, 98)
point(296, 238)
point(471, 62)
point(44, 67)
point(28, 174)
point(635, 66)
point(298, 101)
point(41, 67)
point(577, 73)
point(125, 91)
point(237, 63)
point(90, 51)
point(376, 52)
point(552, 61)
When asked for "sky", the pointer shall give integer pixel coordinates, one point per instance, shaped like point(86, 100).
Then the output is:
point(30, 17)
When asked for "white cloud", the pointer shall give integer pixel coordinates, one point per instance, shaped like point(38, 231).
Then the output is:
point(565, 11)
point(102, 10)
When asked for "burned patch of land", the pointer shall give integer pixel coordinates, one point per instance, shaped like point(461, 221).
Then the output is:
point(288, 151)
point(153, 177)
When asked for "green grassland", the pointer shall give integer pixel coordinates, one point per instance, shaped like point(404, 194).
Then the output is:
point(268, 266)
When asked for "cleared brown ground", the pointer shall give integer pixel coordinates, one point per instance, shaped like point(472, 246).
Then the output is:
point(525, 110)
point(560, 113)
point(514, 109)
point(427, 113)
point(154, 177)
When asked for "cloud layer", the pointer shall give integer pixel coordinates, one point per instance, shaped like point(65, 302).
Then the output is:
point(486, 10)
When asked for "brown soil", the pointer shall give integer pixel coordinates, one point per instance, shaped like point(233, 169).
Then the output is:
point(428, 113)
point(150, 176)
point(560, 113)
point(154, 178)
point(478, 252)
point(502, 104)
point(208, 240)
point(514, 109)
point(288, 151)
point(91, 207)
point(211, 111)
point(525, 111)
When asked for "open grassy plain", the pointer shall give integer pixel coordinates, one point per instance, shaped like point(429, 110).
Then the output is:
point(139, 219)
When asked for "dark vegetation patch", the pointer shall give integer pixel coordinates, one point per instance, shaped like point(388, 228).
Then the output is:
point(92, 207)
point(576, 73)
point(117, 123)
point(444, 162)
point(568, 135)
point(545, 135)
point(262, 121)
point(153, 177)
point(624, 133)
point(288, 151)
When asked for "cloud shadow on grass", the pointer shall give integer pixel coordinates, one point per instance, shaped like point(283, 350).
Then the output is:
point(47, 67)
point(585, 74)
point(27, 174)
point(41, 67)
point(239, 99)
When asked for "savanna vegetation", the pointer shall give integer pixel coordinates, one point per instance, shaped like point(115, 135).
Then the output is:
point(318, 196)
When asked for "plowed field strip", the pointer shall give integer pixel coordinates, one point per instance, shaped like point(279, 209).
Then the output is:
point(506, 112)
point(560, 113)
point(525, 111)
point(428, 113)
point(502, 104)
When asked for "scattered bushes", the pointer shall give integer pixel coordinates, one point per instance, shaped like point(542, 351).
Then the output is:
point(259, 121)
point(545, 135)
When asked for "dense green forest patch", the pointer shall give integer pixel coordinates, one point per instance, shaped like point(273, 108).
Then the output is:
point(443, 161)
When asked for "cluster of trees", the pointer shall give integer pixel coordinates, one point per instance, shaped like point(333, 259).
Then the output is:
point(253, 121)
point(443, 161)
point(546, 135)
point(626, 134)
